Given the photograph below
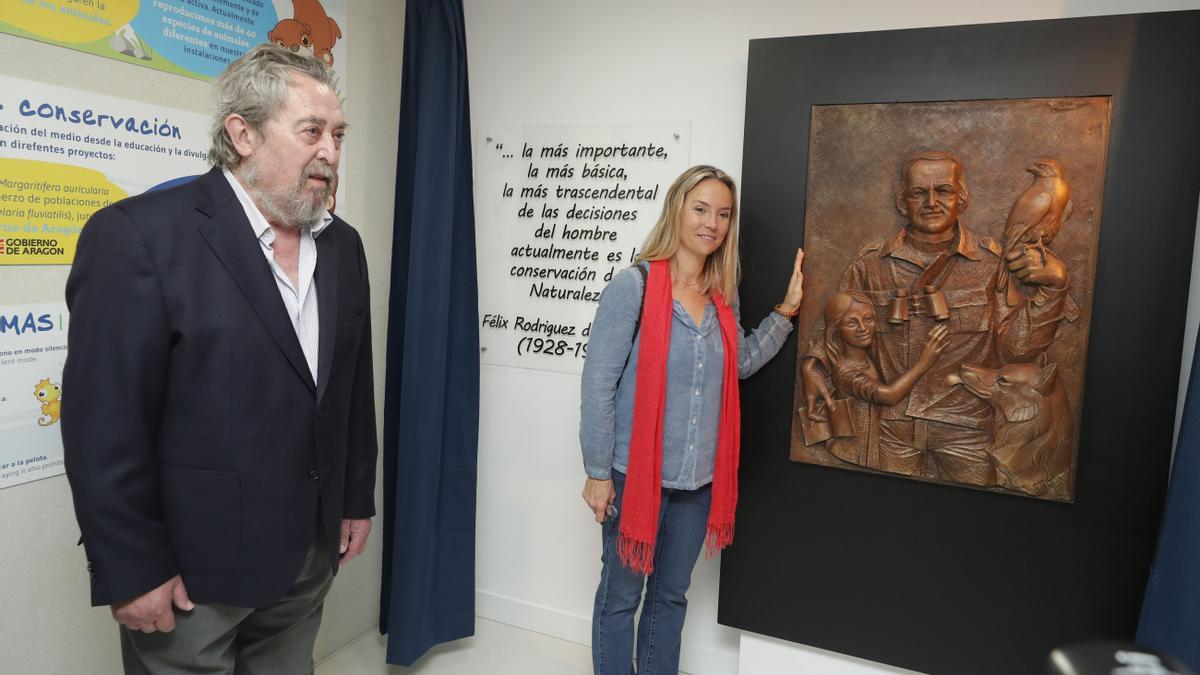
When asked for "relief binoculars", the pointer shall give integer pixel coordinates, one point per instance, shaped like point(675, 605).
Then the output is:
point(931, 302)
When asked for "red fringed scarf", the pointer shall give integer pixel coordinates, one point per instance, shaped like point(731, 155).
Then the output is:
point(643, 483)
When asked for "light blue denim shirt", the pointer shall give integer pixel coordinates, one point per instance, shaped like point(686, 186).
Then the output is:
point(694, 379)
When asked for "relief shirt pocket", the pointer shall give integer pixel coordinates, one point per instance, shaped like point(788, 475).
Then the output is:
point(969, 310)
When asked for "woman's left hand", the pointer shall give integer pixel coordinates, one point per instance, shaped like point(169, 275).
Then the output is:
point(599, 495)
point(795, 289)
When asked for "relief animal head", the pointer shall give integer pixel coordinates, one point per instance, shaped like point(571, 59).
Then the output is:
point(1033, 427)
point(1046, 168)
point(1016, 390)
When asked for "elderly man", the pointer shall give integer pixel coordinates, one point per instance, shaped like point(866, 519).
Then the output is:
point(219, 428)
point(939, 430)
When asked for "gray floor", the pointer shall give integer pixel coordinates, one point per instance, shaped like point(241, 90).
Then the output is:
point(496, 649)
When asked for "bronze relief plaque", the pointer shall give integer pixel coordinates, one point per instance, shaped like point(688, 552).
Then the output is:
point(951, 252)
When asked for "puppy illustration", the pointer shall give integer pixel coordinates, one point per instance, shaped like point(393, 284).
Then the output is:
point(310, 31)
point(1034, 427)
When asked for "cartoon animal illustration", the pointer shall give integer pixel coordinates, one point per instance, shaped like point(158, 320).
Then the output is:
point(1036, 218)
point(310, 31)
point(48, 393)
point(125, 41)
point(1034, 426)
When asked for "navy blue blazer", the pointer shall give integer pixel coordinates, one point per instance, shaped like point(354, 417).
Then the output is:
point(195, 438)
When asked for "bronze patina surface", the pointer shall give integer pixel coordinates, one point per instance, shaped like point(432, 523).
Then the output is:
point(950, 266)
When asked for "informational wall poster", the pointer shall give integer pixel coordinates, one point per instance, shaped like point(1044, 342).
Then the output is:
point(33, 347)
point(195, 38)
point(65, 153)
point(560, 210)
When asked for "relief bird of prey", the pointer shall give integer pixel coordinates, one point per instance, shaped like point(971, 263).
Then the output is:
point(1035, 219)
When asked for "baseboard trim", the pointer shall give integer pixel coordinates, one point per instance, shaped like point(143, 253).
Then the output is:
point(695, 659)
point(534, 617)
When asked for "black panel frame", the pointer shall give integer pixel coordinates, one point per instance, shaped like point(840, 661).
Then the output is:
point(943, 579)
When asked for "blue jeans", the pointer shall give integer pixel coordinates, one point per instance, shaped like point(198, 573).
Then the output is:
point(682, 522)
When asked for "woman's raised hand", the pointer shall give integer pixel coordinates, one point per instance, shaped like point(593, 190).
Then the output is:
point(795, 289)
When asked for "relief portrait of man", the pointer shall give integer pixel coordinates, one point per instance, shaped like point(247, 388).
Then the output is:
point(947, 347)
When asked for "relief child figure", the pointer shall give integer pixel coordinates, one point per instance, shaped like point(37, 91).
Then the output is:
point(857, 384)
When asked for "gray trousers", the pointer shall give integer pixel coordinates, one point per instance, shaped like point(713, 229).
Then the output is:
point(275, 640)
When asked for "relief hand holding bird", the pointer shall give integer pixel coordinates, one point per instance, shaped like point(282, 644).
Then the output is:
point(1035, 219)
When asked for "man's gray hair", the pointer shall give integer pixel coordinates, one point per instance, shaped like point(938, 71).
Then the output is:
point(960, 179)
point(254, 87)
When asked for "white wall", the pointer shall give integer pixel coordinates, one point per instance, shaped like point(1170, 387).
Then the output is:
point(46, 624)
point(633, 62)
point(375, 52)
point(532, 62)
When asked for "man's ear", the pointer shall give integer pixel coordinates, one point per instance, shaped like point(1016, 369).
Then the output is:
point(244, 137)
point(900, 204)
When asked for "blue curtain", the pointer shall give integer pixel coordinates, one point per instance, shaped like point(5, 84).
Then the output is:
point(1170, 620)
point(431, 404)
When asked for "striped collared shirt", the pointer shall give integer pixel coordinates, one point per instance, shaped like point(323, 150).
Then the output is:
point(299, 300)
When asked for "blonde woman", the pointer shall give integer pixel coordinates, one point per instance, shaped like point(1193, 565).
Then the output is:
point(660, 415)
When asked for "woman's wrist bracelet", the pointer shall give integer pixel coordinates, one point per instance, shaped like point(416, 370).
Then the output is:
point(787, 315)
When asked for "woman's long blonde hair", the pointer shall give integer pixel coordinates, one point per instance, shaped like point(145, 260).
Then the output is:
point(722, 269)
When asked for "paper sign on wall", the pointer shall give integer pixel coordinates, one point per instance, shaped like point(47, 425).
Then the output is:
point(33, 348)
point(66, 153)
point(559, 210)
point(195, 38)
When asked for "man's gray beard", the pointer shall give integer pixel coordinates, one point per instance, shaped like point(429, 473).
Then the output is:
point(294, 210)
